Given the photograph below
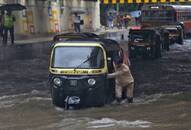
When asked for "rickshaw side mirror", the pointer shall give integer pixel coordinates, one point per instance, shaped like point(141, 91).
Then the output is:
point(109, 58)
point(109, 61)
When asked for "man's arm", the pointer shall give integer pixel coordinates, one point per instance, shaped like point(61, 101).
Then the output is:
point(118, 72)
point(115, 74)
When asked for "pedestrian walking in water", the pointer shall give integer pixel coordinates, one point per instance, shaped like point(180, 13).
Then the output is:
point(8, 23)
point(123, 82)
point(76, 22)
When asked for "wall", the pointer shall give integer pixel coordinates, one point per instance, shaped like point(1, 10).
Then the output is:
point(51, 17)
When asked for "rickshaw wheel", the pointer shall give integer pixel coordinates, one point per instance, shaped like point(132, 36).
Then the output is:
point(55, 100)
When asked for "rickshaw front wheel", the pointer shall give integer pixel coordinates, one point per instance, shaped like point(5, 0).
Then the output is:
point(55, 99)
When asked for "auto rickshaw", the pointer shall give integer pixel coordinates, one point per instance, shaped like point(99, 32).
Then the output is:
point(78, 72)
point(144, 42)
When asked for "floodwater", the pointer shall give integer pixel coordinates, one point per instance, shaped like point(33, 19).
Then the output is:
point(162, 94)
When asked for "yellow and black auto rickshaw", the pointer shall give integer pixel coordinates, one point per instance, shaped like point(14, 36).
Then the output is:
point(78, 69)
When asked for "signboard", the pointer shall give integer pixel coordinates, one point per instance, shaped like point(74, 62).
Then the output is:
point(142, 1)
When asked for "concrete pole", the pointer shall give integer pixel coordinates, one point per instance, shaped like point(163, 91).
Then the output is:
point(66, 18)
point(2, 2)
point(41, 17)
point(96, 15)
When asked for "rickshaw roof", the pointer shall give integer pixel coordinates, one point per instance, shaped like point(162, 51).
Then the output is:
point(82, 34)
point(108, 44)
point(75, 35)
point(142, 30)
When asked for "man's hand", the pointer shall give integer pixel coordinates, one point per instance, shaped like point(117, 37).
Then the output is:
point(109, 76)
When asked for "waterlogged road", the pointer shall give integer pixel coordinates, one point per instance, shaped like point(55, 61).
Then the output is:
point(162, 95)
point(34, 111)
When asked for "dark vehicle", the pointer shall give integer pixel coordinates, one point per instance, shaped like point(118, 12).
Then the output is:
point(64, 36)
point(78, 69)
point(175, 34)
point(144, 42)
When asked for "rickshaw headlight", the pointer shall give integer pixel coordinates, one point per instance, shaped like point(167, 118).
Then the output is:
point(132, 48)
point(57, 81)
point(148, 48)
point(91, 82)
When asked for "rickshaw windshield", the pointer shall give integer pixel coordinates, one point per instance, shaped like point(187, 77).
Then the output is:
point(82, 57)
point(140, 36)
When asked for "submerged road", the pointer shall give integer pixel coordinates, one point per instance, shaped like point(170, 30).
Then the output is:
point(162, 94)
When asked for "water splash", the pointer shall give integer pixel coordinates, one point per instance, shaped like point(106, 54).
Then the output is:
point(7, 101)
point(108, 122)
point(147, 99)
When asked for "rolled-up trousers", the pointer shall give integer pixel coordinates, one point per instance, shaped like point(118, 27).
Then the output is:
point(129, 90)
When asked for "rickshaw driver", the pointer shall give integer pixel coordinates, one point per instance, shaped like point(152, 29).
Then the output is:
point(123, 79)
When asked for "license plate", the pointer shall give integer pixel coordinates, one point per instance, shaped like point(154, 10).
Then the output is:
point(73, 82)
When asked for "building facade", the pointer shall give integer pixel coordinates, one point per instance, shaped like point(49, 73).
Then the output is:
point(50, 16)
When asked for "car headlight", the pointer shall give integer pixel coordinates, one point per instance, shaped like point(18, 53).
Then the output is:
point(57, 81)
point(91, 82)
